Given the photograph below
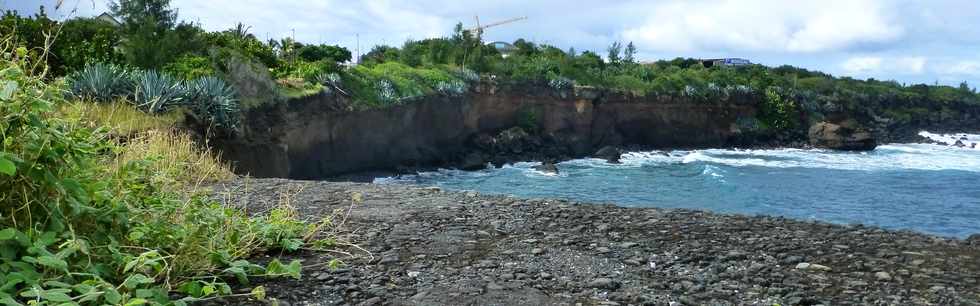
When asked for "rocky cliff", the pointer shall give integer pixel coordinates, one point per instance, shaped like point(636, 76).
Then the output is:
point(322, 136)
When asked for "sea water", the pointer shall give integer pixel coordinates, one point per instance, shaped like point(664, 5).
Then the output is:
point(931, 188)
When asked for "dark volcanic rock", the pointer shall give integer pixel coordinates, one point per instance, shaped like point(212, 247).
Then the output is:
point(547, 167)
point(474, 161)
point(432, 247)
point(973, 239)
point(843, 136)
point(610, 154)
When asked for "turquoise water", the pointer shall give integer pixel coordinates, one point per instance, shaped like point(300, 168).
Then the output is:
point(923, 187)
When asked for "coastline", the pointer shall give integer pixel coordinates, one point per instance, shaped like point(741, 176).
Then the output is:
point(432, 246)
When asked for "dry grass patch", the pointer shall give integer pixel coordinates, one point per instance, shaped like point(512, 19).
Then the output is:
point(175, 159)
point(121, 118)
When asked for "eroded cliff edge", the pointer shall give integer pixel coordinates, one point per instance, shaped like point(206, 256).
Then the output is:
point(322, 136)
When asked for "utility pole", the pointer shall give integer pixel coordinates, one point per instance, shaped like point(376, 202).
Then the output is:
point(357, 50)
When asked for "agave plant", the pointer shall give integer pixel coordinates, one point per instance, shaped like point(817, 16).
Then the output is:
point(560, 83)
point(212, 100)
point(101, 82)
point(157, 92)
point(386, 92)
point(452, 88)
point(328, 79)
point(466, 74)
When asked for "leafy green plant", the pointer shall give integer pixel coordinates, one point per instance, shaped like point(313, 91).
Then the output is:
point(190, 67)
point(82, 225)
point(100, 82)
point(157, 92)
point(777, 112)
point(527, 119)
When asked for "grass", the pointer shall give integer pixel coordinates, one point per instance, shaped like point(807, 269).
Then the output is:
point(298, 88)
point(121, 118)
point(177, 160)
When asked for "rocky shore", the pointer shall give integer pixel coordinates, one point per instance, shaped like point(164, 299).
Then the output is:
point(433, 247)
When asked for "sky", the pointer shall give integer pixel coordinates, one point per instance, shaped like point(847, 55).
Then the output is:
point(910, 41)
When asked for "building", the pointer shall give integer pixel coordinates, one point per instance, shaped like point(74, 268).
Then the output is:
point(734, 61)
point(504, 48)
point(108, 18)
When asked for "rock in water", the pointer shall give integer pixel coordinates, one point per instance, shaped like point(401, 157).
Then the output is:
point(547, 167)
point(609, 153)
point(845, 136)
point(474, 161)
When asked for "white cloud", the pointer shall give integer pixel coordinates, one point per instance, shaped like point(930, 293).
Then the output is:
point(862, 64)
point(962, 68)
point(765, 25)
point(912, 65)
point(881, 66)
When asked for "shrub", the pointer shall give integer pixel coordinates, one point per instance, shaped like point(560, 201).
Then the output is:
point(778, 112)
point(92, 222)
point(190, 67)
point(100, 82)
point(157, 92)
point(527, 119)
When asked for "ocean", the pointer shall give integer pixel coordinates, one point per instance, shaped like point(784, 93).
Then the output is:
point(930, 188)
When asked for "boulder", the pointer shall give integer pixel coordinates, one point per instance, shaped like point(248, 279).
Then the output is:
point(547, 167)
point(514, 140)
point(474, 161)
point(610, 154)
point(973, 239)
point(844, 136)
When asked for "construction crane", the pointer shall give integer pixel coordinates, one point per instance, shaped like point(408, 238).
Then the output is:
point(479, 28)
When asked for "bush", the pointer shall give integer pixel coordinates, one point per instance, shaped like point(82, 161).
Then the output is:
point(100, 82)
point(92, 222)
point(190, 67)
point(157, 92)
point(527, 119)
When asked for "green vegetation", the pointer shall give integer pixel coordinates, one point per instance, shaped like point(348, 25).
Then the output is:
point(207, 99)
point(152, 38)
point(102, 203)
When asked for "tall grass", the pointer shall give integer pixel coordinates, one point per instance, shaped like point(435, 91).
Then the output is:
point(177, 160)
point(120, 118)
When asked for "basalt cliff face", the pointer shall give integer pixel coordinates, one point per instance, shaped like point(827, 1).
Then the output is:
point(320, 136)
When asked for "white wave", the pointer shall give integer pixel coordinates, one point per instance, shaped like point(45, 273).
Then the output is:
point(886, 157)
point(951, 139)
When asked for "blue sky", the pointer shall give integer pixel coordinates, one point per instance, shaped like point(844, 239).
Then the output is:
point(905, 40)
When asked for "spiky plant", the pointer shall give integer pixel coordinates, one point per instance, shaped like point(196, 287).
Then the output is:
point(211, 100)
point(386, 92)
point(452, 88)
point(157, 92)
point(101, 82)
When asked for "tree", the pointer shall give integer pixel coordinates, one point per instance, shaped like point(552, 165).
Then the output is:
point(147, 27)
point(629, 55)
point(380, 54)
point(85, 40)
point(614, 53)
point(136, 14)
point(312, 53)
